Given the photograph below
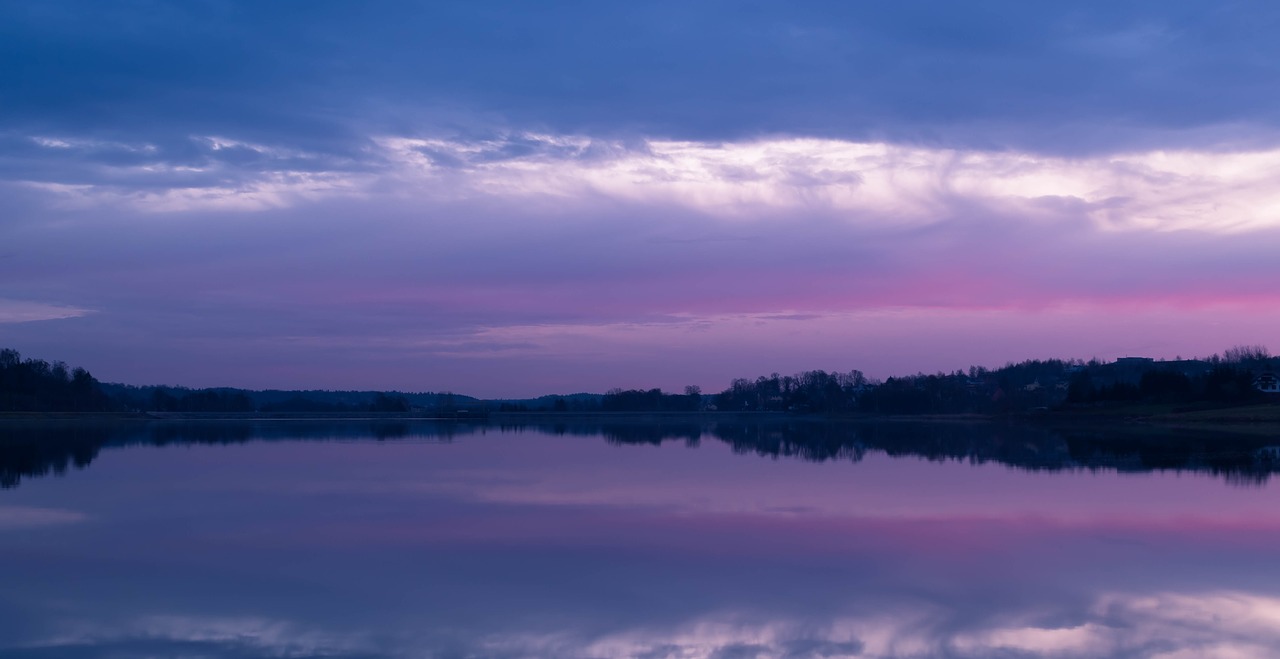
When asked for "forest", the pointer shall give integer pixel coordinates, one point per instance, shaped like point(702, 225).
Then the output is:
point(35, 385)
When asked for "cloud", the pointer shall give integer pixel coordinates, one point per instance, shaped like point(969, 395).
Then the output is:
point(194, 172)
point(1086, 78)
point(203, 636)
point(871, 184)
point(21, 311)
point(1213, 624)
point(1168, 625)
point(868, 182)
point(1219, 624)
point(25, 517)
point(565, 253)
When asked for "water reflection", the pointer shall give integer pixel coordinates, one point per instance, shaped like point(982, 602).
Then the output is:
point(41, 448)
point(33, 449)
point(635, 540)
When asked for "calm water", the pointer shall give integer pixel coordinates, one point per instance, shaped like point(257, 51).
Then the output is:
point(786, 540)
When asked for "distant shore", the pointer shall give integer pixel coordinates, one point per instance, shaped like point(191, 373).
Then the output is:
point(1256, 416)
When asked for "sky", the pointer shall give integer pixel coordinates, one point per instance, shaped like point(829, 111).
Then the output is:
point(513, 199)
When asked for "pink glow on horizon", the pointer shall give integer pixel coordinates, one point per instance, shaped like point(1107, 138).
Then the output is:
point(709, 351)
point(519, 290)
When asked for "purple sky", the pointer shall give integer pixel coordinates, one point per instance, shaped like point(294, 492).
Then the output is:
point(516, 200)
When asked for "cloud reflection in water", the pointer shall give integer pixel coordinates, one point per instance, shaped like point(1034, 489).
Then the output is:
point(525, 544)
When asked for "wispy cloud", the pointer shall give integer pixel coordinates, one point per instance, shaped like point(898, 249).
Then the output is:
point(1167, 625)
point(22, 311)
point(206, 636)
point(25, 517)
point(873, 184)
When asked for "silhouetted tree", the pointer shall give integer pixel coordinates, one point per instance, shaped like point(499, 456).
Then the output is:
point(35, 385)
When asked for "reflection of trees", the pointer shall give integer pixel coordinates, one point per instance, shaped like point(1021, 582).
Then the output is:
point(34, 449)
point(1240, 459)
point(619, 432)
point(651, 433)
point(30, 449)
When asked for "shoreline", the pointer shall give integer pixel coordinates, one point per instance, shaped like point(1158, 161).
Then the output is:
point(1249, 416)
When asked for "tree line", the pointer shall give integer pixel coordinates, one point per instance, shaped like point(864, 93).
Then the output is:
point(35, 385)
point(1232, 378)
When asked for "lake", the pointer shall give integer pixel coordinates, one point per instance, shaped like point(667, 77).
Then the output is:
point(590, 538)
